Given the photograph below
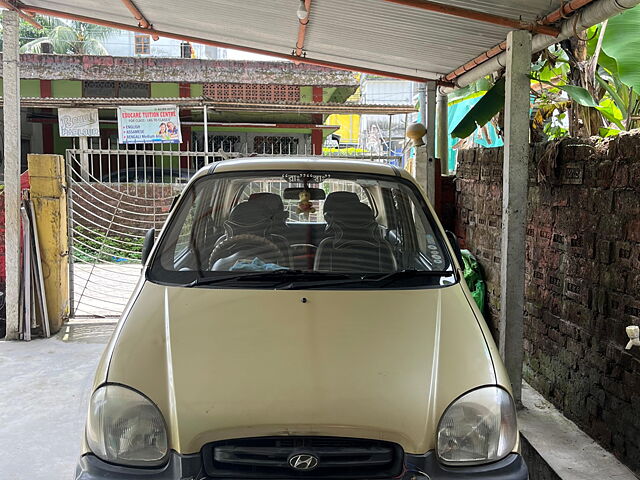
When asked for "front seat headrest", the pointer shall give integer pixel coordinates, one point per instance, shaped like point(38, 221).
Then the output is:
point(271, 201)
point(247, 217)
point(355, 221)
point(337, 200)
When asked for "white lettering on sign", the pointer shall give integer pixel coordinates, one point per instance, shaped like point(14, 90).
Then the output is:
point(78, 122)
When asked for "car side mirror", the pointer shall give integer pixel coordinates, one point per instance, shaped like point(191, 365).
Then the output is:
point(453, 240)
point(147, 245)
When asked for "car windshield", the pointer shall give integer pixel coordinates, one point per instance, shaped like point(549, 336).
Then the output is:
point(301, 229)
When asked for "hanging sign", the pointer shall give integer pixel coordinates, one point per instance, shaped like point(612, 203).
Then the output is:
point(78, 122)
point(149, 124)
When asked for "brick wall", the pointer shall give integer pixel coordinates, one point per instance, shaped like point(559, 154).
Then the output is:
point(582, 276)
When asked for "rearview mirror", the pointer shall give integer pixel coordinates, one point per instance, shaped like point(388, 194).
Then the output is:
point(453, 240)
point(294, 193)
point(147, 244)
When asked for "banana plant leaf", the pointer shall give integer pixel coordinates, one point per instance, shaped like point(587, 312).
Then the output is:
point(611, 112)
point(483, 111)
point(579, 94)
point(604, 60)
point(622, 43)
point(613, 93)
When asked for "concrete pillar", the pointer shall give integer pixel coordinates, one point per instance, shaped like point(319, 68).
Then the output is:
point(11, 96)
point(442, 133)
point(49, 197)
point(514, 205)
point(427, 106)
point(420, 167)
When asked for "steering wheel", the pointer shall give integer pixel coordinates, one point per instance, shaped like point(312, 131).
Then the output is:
point(245, 246)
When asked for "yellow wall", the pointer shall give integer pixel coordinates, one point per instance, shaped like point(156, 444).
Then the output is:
point(349, 130)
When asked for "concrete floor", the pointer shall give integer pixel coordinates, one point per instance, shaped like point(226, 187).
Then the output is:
point(44, 388)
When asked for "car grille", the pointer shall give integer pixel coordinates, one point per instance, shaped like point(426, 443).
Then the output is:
point(269, 457)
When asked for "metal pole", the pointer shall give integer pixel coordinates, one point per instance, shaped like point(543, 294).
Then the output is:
point(84, 158)
point(431, 140)
point(431, 119)
point(442, 134)
point(422, 104)
point(206, 133)
point(514, 205)
point(11, 95)
point(390, 133)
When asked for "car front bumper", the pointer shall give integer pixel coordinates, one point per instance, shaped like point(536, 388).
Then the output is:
point(189, 467)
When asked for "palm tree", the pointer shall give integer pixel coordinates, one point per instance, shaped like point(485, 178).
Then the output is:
point(72, 38)
point(28, 32)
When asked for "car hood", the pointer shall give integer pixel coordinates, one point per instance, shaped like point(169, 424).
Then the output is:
point(228, 363)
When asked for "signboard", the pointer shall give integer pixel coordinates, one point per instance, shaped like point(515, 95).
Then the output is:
point(149, 124)
point(78, 122)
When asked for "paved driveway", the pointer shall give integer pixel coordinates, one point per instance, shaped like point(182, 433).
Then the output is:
point(44, 387)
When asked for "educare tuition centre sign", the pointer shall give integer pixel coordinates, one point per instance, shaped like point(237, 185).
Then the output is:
point(149, 124)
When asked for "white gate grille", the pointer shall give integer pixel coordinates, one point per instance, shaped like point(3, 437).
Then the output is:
point(115, 196)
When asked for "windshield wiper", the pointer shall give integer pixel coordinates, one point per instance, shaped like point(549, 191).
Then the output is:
point(277, 276)
point(367, 278)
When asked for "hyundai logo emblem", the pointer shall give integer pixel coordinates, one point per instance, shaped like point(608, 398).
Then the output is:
point(303, 461)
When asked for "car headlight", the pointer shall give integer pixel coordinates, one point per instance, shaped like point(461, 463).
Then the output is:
point(479, 427)
point(126, 428)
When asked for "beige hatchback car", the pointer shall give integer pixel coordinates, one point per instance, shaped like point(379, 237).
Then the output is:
point(295, 319)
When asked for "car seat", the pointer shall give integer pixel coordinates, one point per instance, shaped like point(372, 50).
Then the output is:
point(354, 243)
point(254, 218)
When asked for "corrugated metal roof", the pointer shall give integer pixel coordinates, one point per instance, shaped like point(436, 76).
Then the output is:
point(373, 34)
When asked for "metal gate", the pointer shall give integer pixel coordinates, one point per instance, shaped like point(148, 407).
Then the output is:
point(114, 197)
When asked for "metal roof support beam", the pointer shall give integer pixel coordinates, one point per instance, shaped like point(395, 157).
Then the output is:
point(11, 96)
point(16, 7)
point(596, 12)
point(137, 14)
point(478, 16)
point(302, 31)
point(514, 205)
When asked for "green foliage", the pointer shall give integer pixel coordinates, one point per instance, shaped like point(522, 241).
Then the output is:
point(72, 38)
point(483, 111)
point(622, 43)
point(91, 245)
point(554, 129)
point(28, 32)
point(578, 94)
point(474, 90)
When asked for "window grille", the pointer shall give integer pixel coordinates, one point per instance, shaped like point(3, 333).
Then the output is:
point(276, 145)
point(112, 89)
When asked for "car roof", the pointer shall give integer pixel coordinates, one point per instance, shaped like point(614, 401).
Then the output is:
point(339, 164)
